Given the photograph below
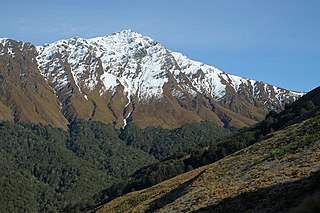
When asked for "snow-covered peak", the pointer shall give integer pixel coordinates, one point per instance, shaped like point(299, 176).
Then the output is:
point(126, 42)
point(11, 46)
point(129, 34)
point(142, 66)
point(3, 41)
point(135, 61)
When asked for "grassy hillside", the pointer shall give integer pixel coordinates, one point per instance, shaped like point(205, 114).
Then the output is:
point(274, 174)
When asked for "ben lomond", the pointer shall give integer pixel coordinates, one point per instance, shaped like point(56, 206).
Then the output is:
point(125, 77)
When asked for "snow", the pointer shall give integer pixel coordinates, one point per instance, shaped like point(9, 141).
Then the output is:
point(125, 51)
point(109, 81)
point(121, 55)
point(125, 119)
point(3, 41)
point(8, 45)
point(210, 82)
point(253, 84)
point(297, 94)
point(139, 64)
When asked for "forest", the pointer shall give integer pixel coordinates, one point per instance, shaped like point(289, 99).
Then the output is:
point(47, 169)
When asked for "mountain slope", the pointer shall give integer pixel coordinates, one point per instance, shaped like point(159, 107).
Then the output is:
point(24, 95)
point(271, 175)
point(125, 77)
point(141, 80)
point(46, 169)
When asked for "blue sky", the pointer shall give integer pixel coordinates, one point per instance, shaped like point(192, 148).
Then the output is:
point(275, 41)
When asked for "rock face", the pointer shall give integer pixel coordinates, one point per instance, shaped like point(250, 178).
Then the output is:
point(126, 77)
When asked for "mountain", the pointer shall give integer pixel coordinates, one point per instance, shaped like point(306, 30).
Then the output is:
point(276, 173)
point(24, 94)
point(127, 77)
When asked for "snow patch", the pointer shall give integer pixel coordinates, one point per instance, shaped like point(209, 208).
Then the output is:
point(109, 81)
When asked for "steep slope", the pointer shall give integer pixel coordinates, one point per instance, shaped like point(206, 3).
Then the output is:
point(272, 175)
point(127, 77)
point(24, 95)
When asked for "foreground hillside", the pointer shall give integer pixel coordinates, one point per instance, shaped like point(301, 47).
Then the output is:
point(275, 174)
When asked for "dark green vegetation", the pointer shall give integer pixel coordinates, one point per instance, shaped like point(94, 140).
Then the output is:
point(99, 144)
point(209, 152)
point(163, 143)
point(45, 169)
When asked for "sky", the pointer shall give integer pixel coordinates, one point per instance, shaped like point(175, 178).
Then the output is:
point(275, 41)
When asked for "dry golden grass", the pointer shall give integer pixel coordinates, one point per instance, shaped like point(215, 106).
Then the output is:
point(24, 91)
point(5, 113)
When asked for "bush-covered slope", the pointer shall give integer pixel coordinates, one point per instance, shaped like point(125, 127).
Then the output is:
point(99, 144)
point(164, 143)
point(44, 168)
point(39, 174)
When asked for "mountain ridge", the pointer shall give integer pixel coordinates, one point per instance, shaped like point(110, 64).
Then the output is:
point(127, 77)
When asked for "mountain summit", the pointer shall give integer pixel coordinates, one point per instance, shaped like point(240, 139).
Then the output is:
point(126, 77)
